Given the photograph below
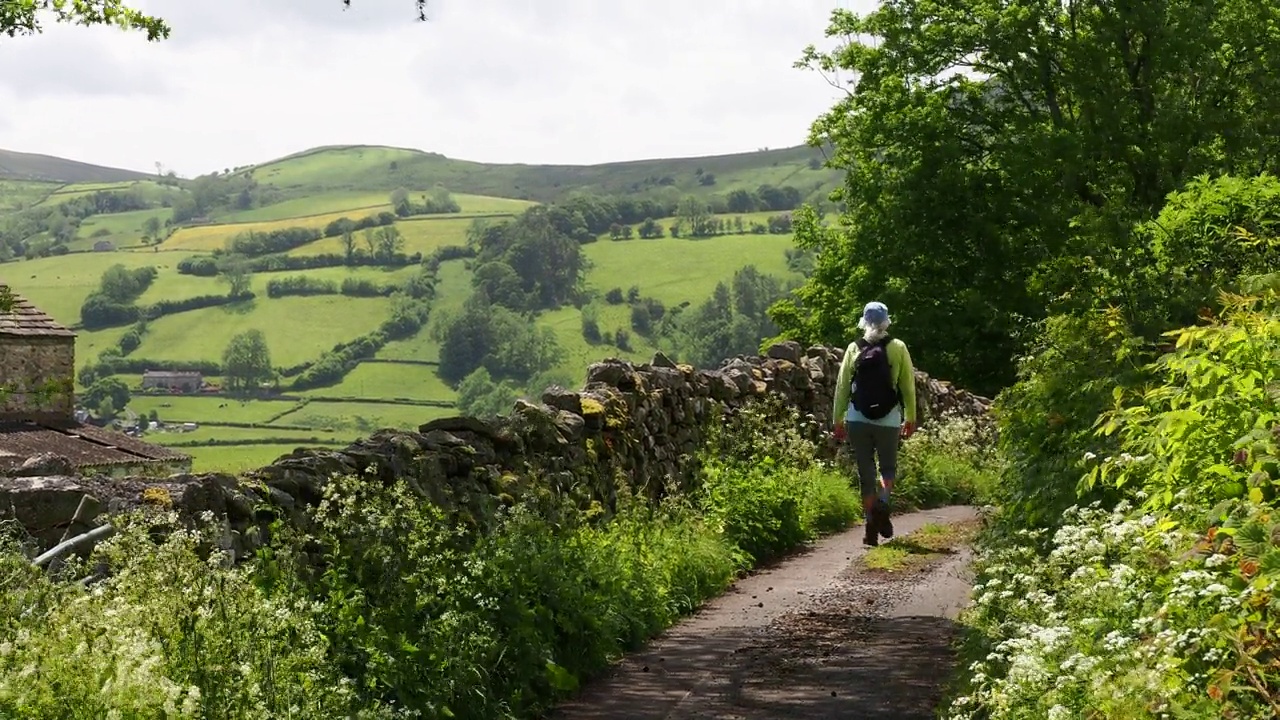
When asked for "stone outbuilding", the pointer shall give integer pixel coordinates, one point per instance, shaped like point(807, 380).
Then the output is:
point(37, 404)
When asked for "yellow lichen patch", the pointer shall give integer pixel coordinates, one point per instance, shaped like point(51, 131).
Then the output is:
point(591, 406)
point(157, 496)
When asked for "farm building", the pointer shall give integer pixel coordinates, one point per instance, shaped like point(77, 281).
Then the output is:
point(37, 413)
point(173, 380)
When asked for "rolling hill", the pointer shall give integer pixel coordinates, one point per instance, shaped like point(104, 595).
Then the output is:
point(46, 168)
point(352, 167)
point(76, 229)
point(370, 168)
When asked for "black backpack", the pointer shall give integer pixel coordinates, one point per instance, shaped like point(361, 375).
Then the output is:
point(874, 393)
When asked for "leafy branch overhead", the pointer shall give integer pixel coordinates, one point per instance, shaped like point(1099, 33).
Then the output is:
point(23, 17)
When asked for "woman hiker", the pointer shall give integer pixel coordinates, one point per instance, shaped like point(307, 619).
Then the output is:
point(876, 387)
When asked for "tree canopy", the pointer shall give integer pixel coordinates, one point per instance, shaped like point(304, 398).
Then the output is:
point(246, 363)
point(1000, 155)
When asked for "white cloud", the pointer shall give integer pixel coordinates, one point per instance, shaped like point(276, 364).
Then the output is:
point(564, 81)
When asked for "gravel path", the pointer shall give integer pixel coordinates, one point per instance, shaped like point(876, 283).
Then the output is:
point(815, 637)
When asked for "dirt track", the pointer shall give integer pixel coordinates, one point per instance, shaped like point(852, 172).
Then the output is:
point(814, 638)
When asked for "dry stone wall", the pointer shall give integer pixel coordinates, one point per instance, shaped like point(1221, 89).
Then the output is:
point(638, 423)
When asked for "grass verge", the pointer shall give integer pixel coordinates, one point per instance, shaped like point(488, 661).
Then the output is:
point(920, 547)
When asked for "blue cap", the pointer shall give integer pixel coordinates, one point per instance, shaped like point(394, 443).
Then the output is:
point(875, 314)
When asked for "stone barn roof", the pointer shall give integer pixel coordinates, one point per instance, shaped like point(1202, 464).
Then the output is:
point(26, 320)
point(85, 446)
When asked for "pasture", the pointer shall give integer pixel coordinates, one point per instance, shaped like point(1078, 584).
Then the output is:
point(297, 329)
point(209, 409)
point(207, 238)
point(356, 203)
point(20, 194)
point(124, 229)
point(389, 381)
point(242, 458)
point(682, 270)
point(59, 285)
point(360, 418)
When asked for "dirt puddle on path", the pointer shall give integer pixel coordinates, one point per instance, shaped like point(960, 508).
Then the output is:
point(816, 637)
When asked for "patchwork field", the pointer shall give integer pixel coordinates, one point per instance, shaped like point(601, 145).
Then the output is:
point(400, 387)
point(297, 329)
point(680, 270)
point(59, 285)
point(124, 230)
point(389, 381)
point(420, 235)
point(19, 194)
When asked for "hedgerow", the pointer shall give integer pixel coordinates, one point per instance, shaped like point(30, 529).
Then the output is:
point(1156, 600)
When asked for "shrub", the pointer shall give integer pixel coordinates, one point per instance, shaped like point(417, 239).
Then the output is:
point(1046, 419)
point(641, 321)
point(132, 646)
point(1122, 617)
point(757, 508)
point(948, 461)
point(300, 285)
point(1162, 608)
point(200, 266)
point(1207, 434)
point(363, 287)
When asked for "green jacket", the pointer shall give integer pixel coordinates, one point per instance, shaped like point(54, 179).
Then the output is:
point(899, 367)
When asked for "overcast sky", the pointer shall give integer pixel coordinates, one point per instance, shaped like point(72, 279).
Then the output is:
point(537, 81)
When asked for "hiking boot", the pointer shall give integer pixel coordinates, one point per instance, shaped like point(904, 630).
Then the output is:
point(881, 514)
point(869, 538)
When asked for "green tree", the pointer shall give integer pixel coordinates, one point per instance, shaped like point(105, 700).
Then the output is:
point(122, 285)
point(507, 344)
point(998, 158)
point(741, 201)
point(540, 249)
point(246, 363)
point(111, 389)
point(733, 321)
point(479, 396)
point(106, 410)
point(500, 284)
point(348, 245)
point(151, 228)
point(695, 217)
point(400, 202)
point(390, 241)
point(238, 278)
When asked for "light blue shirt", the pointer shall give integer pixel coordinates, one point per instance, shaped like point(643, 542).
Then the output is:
point(893, 419)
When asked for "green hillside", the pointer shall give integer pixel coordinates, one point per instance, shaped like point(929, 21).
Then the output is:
point(283, 221)
point(358, 167)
